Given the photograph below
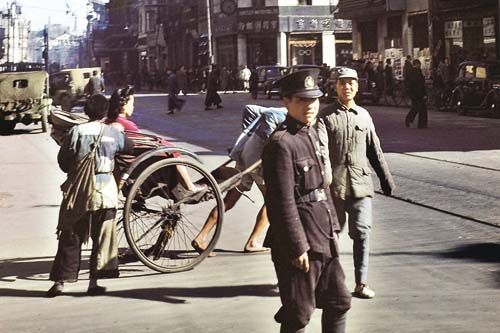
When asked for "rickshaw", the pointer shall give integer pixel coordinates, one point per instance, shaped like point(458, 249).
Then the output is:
point(160, 217)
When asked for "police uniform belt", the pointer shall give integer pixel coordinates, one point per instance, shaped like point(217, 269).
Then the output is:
point(313, 196)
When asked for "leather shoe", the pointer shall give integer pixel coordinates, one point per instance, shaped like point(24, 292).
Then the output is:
point(96, 291)
point(362, 291)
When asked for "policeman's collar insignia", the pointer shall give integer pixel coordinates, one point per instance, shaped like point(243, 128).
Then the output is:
point(309, 82)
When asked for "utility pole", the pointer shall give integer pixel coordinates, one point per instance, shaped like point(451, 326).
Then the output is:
point(45, 52)
point(435, 31)
point(209, 34)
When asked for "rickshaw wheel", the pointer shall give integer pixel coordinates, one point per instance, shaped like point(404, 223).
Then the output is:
point(161, 217)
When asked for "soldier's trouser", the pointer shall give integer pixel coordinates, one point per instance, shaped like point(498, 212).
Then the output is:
point(322, 287)
point(104, 255)
point(358, 213)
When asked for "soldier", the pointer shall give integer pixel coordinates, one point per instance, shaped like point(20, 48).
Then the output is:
point(352, 144)
point(303, 224)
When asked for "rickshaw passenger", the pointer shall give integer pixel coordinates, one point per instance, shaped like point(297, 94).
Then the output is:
point(258, 123)
point(121, 107)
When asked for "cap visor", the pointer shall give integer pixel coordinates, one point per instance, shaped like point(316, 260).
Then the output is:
point(316, 93)
point(347, 77)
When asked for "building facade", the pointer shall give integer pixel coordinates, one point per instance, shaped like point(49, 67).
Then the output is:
point(14, 35)
point(429, 30)
point(250, 32)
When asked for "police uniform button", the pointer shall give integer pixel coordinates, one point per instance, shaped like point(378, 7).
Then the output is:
point(306, 168)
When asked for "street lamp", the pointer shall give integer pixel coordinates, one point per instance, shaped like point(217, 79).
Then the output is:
point(209, 34)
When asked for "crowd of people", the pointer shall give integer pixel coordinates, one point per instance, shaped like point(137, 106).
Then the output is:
point(191, 80)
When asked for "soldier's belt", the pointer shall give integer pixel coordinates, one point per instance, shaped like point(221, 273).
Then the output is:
point(313, 196)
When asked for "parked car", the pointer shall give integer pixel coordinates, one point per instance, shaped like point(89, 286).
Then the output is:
point(24, 99)
point(67, 86)
point(267, 76)
point(477, 88)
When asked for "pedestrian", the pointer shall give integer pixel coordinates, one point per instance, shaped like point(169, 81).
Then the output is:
point(388, 77)
point(407, 66)
point(174, 103)
point(96, 206)
point(224, 79)
point(303, 225)
point(353, 144)
point(380, 78)
point(254, 84)
point(444, 73)
point(257, 125)
point(245, 77)
point(182, 80)
point(95, 85)
point(213, 97)
point(417, 93)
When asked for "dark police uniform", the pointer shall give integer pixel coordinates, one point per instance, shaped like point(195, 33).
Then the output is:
point(302, 219)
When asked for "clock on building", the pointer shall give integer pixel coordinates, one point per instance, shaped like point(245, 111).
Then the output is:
point(228, 7)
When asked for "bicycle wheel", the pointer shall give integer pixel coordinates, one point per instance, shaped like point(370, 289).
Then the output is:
point(161, 217)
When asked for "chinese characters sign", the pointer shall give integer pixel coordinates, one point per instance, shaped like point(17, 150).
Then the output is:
point(310, 23)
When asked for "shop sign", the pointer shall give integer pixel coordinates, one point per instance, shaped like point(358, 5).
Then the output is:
point(224, 28)
point(264, 25)
point(489, 27)
point(298, 23)
point(340, 25)
point(453, 29)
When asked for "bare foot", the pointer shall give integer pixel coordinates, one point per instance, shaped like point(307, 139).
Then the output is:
point(200, 247)
point(197, 188)
point(255, 248)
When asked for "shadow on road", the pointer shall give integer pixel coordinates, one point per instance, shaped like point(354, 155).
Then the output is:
point(167, 295)
point(477, 252)
point(482, 252)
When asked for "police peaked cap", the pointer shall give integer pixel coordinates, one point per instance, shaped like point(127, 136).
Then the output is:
point(303, 83)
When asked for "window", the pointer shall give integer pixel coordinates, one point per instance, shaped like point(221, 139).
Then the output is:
point(305, 2)
point(150, 21)
point(259, 3)
point(20, 83)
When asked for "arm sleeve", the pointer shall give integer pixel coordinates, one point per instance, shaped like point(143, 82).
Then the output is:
point(377, 160)
point(68, 151)
point(280, 199)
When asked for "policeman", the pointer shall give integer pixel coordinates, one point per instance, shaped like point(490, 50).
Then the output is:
point(303, 224)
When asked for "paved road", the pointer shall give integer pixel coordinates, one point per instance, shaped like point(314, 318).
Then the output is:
point(435, 249)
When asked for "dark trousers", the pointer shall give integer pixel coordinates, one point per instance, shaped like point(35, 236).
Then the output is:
point(301, 293)
point(212, 98)
point(174, 102)
point(103, 258)
point(419, 108)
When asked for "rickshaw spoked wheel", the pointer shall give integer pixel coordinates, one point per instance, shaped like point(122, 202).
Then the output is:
point(161, 216)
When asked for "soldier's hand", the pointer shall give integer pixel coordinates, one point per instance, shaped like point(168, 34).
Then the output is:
point(302, 262)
